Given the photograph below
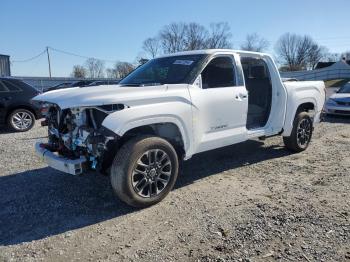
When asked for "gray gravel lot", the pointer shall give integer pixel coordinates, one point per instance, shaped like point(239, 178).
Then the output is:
point(249, 202)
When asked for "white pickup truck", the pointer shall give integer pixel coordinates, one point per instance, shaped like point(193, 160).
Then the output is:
point(169, 109)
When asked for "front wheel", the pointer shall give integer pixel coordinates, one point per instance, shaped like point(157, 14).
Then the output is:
point(144, 171)
point(21, 120)
point(301, 134)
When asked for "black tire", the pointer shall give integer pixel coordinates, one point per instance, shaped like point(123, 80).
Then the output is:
point(21, 124)
point(299, 140)
point(125, 171)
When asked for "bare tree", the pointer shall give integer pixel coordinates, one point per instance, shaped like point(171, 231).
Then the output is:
point(316, 54)
point(346, 55)
point(219, 36)
point(120, 70)
point(298, 52)
point(152, 46)
point(95, 68)
point(123, 69)
point(192, 36)
point(331, 57)
point(78, 71)
point(172, 37)
point(195, 37)
point(142, 61)
point(110, 73)
point(287, 51)
point(254, 42)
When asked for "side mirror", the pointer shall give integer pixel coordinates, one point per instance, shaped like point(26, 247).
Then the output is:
point(198, 81)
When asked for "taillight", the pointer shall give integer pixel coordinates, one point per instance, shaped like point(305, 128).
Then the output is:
point(44, 110)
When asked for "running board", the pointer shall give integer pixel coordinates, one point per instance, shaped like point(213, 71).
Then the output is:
point(261, 134)
point(264, 137)
point(256, 133)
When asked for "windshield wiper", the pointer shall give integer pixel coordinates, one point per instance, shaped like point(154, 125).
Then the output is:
point(130, 84)
point(151, 84)
point(142, 84)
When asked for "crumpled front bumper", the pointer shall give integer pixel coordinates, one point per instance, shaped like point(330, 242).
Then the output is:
point(70, 166)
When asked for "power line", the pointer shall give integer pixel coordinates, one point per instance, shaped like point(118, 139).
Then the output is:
point(333, 37)
point(29, 59)
point(81, 56)
point(114, 61)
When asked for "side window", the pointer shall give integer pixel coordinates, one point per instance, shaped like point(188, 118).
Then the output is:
point(255, 68)
point(220, 72)
point(10, 86)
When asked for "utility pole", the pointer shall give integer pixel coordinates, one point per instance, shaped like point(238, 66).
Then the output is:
point(48, 60)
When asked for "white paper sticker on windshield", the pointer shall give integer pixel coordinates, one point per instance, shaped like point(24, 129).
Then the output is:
point(183, 62)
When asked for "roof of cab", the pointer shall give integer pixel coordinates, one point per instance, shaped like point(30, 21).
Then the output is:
point(213, 51)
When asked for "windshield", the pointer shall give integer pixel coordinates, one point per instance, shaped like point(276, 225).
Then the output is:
point(165, 70)
point(345, 89)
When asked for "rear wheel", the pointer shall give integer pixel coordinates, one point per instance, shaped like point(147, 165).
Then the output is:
point(21, 120)
point(301, 134)
point(144, 171)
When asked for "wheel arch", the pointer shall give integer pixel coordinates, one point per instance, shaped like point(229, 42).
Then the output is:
point(305, 105)
point(16, 107)
point(166, 130)
point(169, 131)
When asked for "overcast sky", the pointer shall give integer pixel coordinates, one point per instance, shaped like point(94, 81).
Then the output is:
point(115, 30)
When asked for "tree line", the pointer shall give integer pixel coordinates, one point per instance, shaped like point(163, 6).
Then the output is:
point(95, 68)
point(293, 52)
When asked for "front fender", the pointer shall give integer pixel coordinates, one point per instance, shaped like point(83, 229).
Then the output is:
point(122, 121)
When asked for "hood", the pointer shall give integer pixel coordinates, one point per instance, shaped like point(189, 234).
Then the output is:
point(345, 97)
point(99, 95)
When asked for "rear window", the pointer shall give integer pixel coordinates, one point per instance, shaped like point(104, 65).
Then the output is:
point(11, 86)
point(2, 87)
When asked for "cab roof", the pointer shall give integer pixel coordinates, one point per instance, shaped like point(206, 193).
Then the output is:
point(213, 51)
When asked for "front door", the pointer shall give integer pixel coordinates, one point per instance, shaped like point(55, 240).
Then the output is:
point(220, 104)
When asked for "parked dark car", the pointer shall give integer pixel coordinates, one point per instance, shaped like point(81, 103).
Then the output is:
point(16, 109)
point(81, 83)
point(59, 86)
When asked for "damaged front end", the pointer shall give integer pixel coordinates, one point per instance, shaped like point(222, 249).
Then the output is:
point(77, 141)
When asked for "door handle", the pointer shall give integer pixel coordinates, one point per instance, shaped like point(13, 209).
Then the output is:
point(241, 96)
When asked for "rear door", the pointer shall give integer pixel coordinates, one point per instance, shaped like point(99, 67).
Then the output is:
point(220, 104)
point(5, 98)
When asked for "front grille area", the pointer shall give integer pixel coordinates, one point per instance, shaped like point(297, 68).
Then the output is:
point(343, 112)
point(343, 103)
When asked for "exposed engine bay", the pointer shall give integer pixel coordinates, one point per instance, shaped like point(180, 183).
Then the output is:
point(77, 132)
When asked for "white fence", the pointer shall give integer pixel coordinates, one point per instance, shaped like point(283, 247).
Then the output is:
point(339, 70)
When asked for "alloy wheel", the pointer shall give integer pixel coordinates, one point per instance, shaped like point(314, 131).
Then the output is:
point(151, 173)
point(22, 120)
point(304, 133)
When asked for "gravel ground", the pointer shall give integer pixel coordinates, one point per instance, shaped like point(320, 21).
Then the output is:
point(249, 202)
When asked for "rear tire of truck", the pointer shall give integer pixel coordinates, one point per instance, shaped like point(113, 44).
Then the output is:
point(301, 134)
point(144, 171)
